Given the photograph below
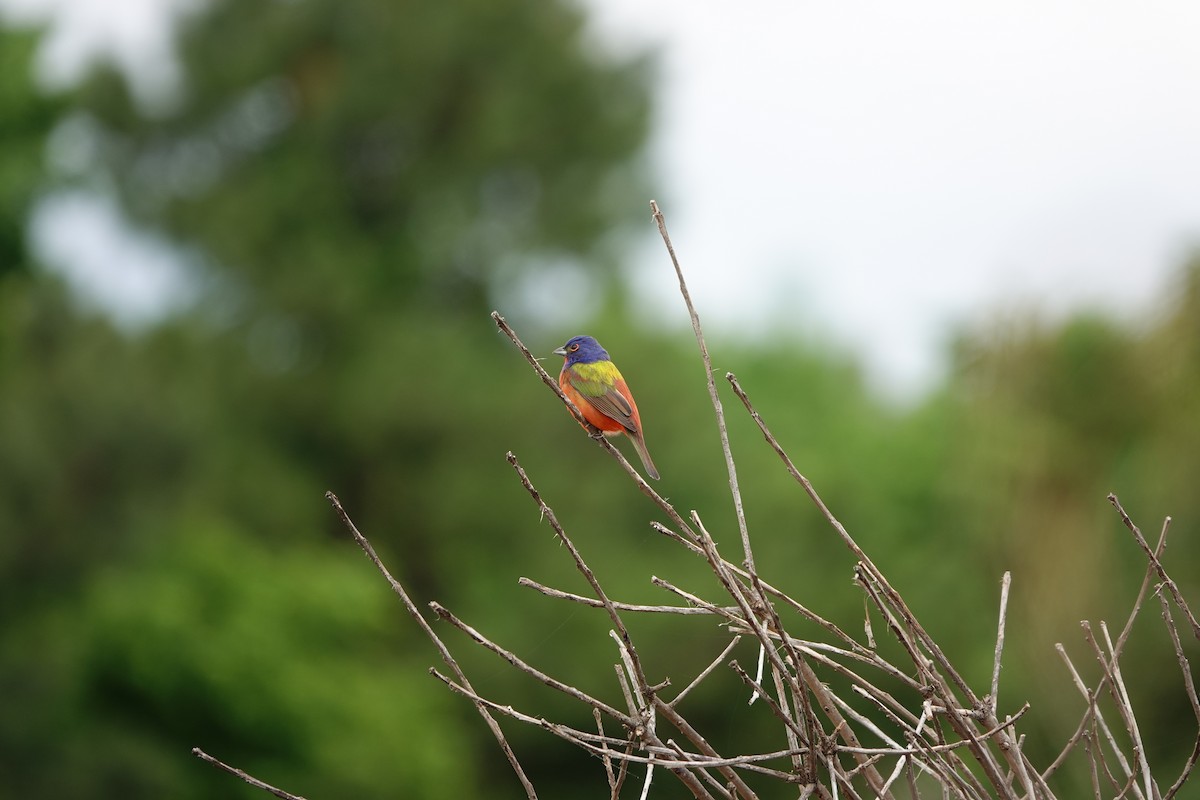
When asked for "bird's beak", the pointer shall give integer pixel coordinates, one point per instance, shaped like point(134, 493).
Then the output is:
point(562, 351)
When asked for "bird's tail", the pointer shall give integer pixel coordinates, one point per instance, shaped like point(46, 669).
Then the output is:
point(639, 444)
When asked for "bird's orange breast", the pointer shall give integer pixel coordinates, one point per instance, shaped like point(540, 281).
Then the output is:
point(595, 418)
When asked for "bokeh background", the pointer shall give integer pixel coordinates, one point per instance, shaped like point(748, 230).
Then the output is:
point(251, 259)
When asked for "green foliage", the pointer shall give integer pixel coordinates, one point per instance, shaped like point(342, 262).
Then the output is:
point(352, 159)
point(24, 119)
point(352, 181)
point(239, 649)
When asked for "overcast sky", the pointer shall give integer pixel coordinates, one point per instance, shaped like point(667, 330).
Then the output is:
point(873, 173)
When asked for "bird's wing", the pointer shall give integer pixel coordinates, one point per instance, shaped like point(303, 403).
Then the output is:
point(603, 389)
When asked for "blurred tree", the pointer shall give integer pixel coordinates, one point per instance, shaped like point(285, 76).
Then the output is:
point(25, 117)
point(351, 181)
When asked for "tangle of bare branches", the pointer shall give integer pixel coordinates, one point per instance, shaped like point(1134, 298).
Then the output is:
point(926, 725)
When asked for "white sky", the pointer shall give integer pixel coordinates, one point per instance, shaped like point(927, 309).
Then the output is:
point(890, 170)
point(872, 172)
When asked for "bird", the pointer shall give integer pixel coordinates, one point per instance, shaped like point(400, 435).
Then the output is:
point(593, 383)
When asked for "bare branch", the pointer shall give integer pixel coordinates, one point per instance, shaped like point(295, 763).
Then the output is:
point(1005, 585)
point(707, 671)
point(558, 594)
point(416, 615)
point(1153, 557)
point(512, 658)
point(730, 466)
point(250, 779)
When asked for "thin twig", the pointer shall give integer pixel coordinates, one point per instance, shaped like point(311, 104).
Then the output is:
point(250, 779)
point(515, 660)
point(730, 466)
point(1082, 728)
point(636, 671)
point(1005, 585)
point(706, 672)
point(1114, 693)
point(1157, 564)
point(1190, 688)
point(559, 594)
point(444, 651)
point(1126, 707)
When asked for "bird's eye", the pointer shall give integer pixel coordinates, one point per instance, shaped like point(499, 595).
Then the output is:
point(573, 348)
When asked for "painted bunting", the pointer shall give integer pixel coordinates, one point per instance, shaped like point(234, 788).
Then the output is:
point(594, 384)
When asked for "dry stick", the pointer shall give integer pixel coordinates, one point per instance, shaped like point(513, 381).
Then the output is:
point(1080, 730)
point(893, 597)
point(626, 692)
point(819, 690)
point(1093, 717)
point(1184, 665)
point(1103, 762)
point(724, 791)
point(828, 700)
point(935, 687)
point(605, 757)
point(413, 612)
point(861, 684)
point(1023, 771)
point(910, 775)
point(793, 712)
point(731, 467)
point(1189, 686)
point(597, 744)
point(559, 594)
point(1187, 770)
point(595, 741)
point(707, 671)
point(1020, 768)
point(712, 388)
point(250, 779)
point(963, 726)
point(863, 654)
point(724, 434)
point(1114, 693)
point(1088, 746)
point(1126, 707)
point(933, 748)
point(646, 692)
point(1157, 564)
point(1005, 585)
point(874, 760)
point(837, 776)
point(1109, 675)
point(801, 647)
point(778, 710)
point(936, 762)
point(867, 653)
point(629, 721)
point(752, 618)
point(753, 609)
point(695, 737)
point(636, 671)
point(757, 613)
point(635, 681)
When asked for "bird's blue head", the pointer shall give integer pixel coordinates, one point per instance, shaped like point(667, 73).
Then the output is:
point(582, 350)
